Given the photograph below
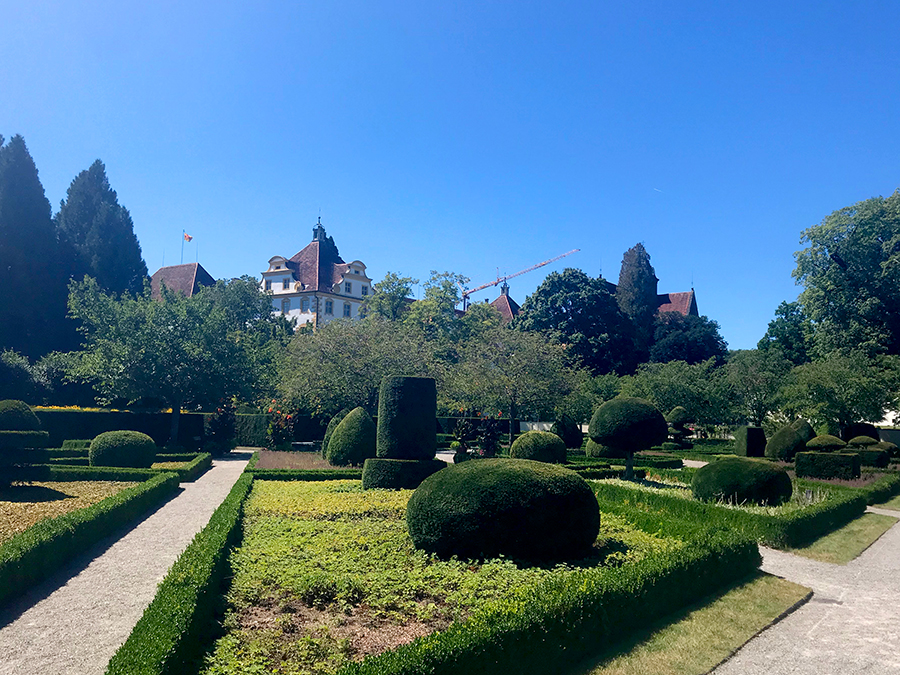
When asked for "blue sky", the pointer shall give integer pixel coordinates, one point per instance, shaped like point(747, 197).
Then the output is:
point(470, 136)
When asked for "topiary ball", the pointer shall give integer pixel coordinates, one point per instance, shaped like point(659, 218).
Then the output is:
point(804, 430)
point(860, 429)
point(678, 417)
point(628, 424)
point(407, 414)
point(353, 441)
point(540, 446)
point(18, 416)
point(825, 443)
point(784, 444)
point(738, 480)
point(592, 449)
point(122, 448)
point(513, 507)
point(862, 441)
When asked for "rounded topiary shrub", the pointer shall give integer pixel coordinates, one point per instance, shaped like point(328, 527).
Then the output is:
point(122, 448)
point(20, 428)
point(825, 443)
point(593, 449)
point(568, 430)
point(329, 430)
point(407, 418)
point(738, 480)
point(784, 444)
point(889, 447)
point(353, 441)
point(678, 417)
point(398, 474)
point(628, 424)
point(541, 446)
point(517, 508)
point(860, 429)
point(862, 441)
point(804, 430)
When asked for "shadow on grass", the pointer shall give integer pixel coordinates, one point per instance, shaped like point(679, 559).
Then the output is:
point(31, 493)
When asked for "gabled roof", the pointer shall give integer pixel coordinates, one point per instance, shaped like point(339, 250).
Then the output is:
point(186, 279)
point(318, 267)
point(683, 303)
point(508, 308)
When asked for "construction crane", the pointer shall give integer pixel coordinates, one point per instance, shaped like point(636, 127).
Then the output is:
point(502, 280)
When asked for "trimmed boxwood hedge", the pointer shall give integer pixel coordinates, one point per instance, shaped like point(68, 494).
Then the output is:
point(784, 444)
point(540, 446)
point(739, 479)
point(750, 441)
point(877, 458)
point(18, 416)
point(31, 556)
point(407, 421)
point(512, 507)
point(601, 473)
point(398, 474)
point(329, 430)
point(77, 444)
point(825, 443)
point(122, 448)
point(844, 465)
point(176, 626)
point(353, 440)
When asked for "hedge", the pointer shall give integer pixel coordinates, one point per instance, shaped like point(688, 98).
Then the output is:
point(306, 474)
point(877, 458)
point(398, 474)
point(33, 555)
point(49, 472)
point(176, 626)
point(788, 530)
point(63, 425)
point(876, 492)
point(195, 468)
point(827, 465)
point(565, 620)
point(251, 430)
point(594, 473)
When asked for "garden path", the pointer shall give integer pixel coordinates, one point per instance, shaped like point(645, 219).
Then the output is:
point(74, 622)
point(851, 624)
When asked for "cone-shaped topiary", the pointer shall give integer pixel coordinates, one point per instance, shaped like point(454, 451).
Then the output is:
point(784, 444)
point(122, 448)
point(628, 425)
point(749, 442)
point(678, 417)
point(329, 430)
point(804, 430)
point(407, 413)
point(738, 480)
point(825, 443)
point(568, 430)
point(353, 441)
point(540, 446)
point(517, 508)
point(862, 441)
point(592, 449)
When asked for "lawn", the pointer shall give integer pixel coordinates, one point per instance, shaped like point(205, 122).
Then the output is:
point(893, 504)
point(845, 544)
point(24, 504)
point(326, 574)
point(696, 640)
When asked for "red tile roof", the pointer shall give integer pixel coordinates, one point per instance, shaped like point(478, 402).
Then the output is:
point(186, 279)
point(508, 308)
point(683, 303)
point(318, 267)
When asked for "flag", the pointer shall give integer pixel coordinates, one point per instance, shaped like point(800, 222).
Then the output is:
point(187, 237)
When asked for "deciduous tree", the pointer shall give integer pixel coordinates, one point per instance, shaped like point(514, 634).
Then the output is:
point(686, 338)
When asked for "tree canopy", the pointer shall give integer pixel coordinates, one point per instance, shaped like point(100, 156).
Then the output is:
point(790, 332)
point(636, 294)
point(391, 297)
point(693, 339)
point(755, 378)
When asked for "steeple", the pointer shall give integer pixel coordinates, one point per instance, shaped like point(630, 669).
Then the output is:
point(319, 231)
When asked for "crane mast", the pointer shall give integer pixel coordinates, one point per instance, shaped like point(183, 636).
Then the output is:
point(505, 278)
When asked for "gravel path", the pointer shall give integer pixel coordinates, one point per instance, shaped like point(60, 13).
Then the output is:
point(73, 623)
point(851, 624)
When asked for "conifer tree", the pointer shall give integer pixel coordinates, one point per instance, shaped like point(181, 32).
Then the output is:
point(100, 233)
point(636, 294)
point(32, 278)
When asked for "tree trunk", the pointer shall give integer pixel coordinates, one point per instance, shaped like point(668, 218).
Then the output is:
point(629, 466)
point(176, 418)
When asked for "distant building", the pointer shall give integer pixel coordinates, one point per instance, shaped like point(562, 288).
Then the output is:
point(316, 286)
point(185, 279)
point(508, 308)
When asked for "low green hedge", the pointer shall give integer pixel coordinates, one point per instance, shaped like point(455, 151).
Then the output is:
point(875, 492)
point(565, 620)
point(195, 468)
point(845, 466)
point(49, 472)
point(176, 626)
point(876, 458)
point(77, 444)
point(175, 456)
point(594, 473)
point(31, 556)
point(307, 474)
point(788, 530)
point(70, 461)
point(658, 462)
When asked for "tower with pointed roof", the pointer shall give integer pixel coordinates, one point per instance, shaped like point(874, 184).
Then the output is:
point(316, 286)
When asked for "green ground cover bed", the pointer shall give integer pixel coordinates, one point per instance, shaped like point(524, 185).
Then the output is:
point(288, 466)
point(326, 580)
point(848, 542)
point(811, 512)
point(30, 556)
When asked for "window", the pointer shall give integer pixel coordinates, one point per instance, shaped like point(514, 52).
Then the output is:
point(286, 305)
point(348, 288)
point(268, 284)
point(365, 291)
point(304, 305)
point(285, 283)
point(347, 310)
point(329, 307)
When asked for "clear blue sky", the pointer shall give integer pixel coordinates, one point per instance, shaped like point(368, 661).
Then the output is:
point(470, 136)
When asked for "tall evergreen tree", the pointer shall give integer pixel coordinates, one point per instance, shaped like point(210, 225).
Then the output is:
point(636, 294)
point(32, 279)
point(100, 233)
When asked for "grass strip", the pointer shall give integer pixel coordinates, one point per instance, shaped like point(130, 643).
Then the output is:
point(33, 555)
point(175, 628)
point(849, 541)
point(893, 504)
point(697, 639)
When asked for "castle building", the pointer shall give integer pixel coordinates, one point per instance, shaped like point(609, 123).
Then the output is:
point(316, 286)
point(186, 279)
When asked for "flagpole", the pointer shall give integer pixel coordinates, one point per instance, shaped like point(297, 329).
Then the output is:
point(182, 247)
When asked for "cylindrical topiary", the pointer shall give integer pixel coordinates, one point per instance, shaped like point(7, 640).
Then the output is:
point(738, 480)
point(860, 429)
point(568, 430)
point(784, 444)
point(540, 446)
point(629, 425)
point(862, 441)
point(592, 449)
point(407, 417)
point(353, 441)
point(122, 448)
point(329, 430)
point(749, 441)
point(517, 508)
point(398, 474)
point(825, 443)
point(804, 430)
